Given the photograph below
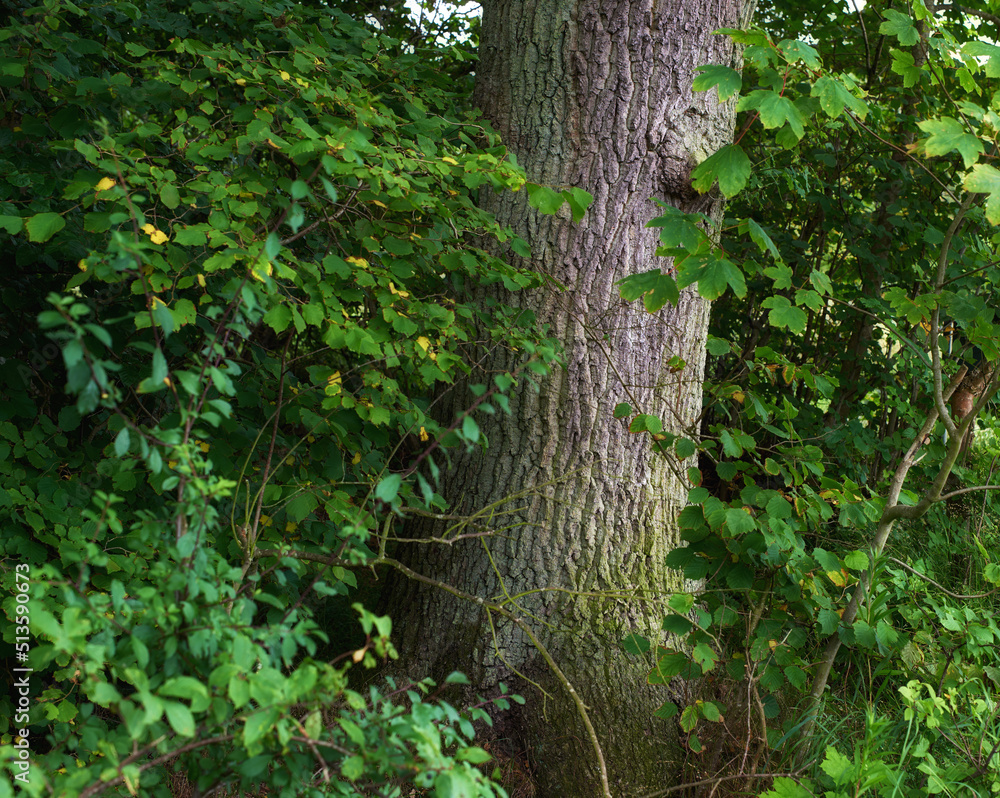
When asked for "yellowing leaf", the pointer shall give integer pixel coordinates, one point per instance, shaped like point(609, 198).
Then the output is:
point(450, 160)
point(201, 280)
point(423, 434)
point(284, 75)
point(291, 527)
point(423, 342)
point(204, 446)
point(379, 203)
point(104, 184)
point(241, 82)
point(357, 261)
point(837, 578)
point(357, 458)
point(82, 265)
point(738, 396)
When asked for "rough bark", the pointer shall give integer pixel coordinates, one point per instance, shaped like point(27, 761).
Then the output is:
point(594, 94)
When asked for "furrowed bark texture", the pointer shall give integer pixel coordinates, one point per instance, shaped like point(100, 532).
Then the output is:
point(594, 94)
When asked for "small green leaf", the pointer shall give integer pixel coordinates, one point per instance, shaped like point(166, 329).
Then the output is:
point(900, 26)
point(622, 410)
point(985, 179)
point(545, 199)
point(42, 226)
point(579, 200)
point(727, 79)
point(169, 196)
point(388, 489)
point(834, 97)
point(784, 314)
point(122, 441)
point(635, 644)
point(180, 718)
point(946, 135)
point(730, 166)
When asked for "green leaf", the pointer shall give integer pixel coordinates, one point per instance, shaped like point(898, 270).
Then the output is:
point(387, 490)
point(904, 64)
point(739, 521)
point(978, 49)
point(900, 26)
point(11, 224)
point(946, 135)
point(985, 179)
point(834, 97)
point(546, 200)
point(180, 718)
point(635, 644)
point(727, 79)
point(730, 166)
point(800, 51)
point(837, 766)
point(689, 718)
point(775, 110)
point(622, 410)
point(711, 712)
point(856, 560)
point(353, 768)
point(579, 200)
point(169, 196)
point(784, 314)
point(122, 441)
point(713, 275)
point(42, 226)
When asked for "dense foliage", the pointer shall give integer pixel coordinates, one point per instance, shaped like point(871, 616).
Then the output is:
point(240, 238)
point(835, 517)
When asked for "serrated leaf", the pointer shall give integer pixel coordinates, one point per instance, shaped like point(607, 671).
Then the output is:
point(739, 521)
point(800, 51)
point(947, 135)
point(904, 64)
point(834, 96)
point(837, 766)
point(979, 49)
point(546, 200)
point(985, 179)
point(784, 314)
point(730, 166)
point(899, 25)
point(726, 79)
point(622, 410)
point(579, 200)
point(42, 226)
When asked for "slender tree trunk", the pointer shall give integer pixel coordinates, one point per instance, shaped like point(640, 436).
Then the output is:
point(594, 94)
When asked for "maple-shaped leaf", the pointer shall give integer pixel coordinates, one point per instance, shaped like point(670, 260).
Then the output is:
point(984, 179)
point(730, 166)
point(834, 96)
point(726, 79)
point(990, 51)
point(900, 26)
point(947, 134)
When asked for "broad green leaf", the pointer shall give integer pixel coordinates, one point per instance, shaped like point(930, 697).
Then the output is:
point(169, 196)
point(180, 718)
point(713, 275)
point(985, 179)
point(775, 110)
point(730, 166)
point(990, 51)
point(579, 200)
point(387, 490)
point(635, 644)
point(726, 79)
point(545, 199)
point(739, 521)
point(622, 410)
point(42, 226)
point(899, 25)
point(834, 96)
point(946, 135)
point(904, 64)
point(837, 766)
point(800, 51)
point(11, 224)
point(784, 314)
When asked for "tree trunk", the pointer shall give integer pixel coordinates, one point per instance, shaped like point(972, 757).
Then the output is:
point(594, 94)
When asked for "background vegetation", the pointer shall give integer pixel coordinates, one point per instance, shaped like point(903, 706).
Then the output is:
point(241, 242)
